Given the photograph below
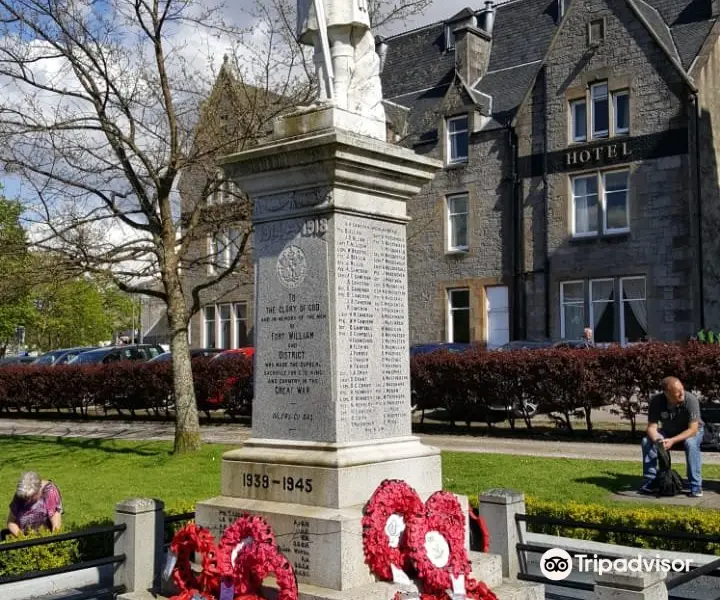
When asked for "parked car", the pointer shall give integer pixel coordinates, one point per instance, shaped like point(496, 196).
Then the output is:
point(437, 346)
point(194, 353)
point(248, 351)
point(61, 356)
point(16, 360)
point(135, 352)
point(525, 345)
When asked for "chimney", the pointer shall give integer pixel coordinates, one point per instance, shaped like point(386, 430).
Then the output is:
point(488, 17)
point(381, 47)
point(472, 53)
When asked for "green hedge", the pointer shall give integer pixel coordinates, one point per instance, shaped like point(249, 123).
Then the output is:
point(661, 519)
point(61, 554)
point(37, 558)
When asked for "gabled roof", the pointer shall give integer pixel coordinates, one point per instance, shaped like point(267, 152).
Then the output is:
point(418, 70)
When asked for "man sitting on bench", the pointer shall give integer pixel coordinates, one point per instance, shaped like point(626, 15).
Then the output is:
point(678, 413)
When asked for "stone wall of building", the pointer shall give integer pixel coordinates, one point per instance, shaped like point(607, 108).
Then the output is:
point(431, 269)
point(659, 196)
point(708, 83)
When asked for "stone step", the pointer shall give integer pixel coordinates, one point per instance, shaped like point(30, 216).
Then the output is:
point(486, 568)
point(519, 590)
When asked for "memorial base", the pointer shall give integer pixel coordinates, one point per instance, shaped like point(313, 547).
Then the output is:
point(313, 495)
point(324, 546)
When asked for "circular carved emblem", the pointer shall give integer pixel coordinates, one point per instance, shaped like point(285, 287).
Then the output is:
point(291, 266)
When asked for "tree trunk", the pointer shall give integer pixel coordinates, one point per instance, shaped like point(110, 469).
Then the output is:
point(187, 422)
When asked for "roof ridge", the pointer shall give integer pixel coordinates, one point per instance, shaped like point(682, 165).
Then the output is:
point(496, 5)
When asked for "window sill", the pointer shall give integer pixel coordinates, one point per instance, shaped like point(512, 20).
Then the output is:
point(618, 236)
point(457, 165)
point(457, 252)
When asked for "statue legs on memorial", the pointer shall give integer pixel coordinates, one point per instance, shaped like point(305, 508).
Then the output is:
point(349, 77)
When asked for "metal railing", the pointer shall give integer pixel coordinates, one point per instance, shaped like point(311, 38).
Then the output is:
point(711, 569)
point(76, 535)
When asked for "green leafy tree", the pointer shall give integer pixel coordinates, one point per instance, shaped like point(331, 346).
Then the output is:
point(15, 305)
point(70, 313)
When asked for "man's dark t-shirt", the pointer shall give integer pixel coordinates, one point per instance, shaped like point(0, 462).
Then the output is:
point(673, 419)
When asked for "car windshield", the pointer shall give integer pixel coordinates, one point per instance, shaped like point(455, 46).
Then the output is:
point(49, 357)
point(89, 357)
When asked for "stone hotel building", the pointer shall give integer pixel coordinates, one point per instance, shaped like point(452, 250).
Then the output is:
point(580, 184)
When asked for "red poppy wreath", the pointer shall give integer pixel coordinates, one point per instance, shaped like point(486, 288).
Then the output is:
point(248, 554)
point(393, 504)
point(186, 541)
point(437, 543)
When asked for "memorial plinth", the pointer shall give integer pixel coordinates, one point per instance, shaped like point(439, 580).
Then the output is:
point(331, 415)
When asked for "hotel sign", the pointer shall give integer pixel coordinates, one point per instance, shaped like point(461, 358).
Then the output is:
point(606, 154)
point(598, 155)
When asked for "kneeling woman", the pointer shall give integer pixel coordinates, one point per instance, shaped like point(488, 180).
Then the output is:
point(37, 503)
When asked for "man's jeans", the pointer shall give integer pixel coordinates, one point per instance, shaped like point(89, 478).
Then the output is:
point(693, 459)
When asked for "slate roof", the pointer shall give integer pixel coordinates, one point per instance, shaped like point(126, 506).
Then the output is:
point(689, 21)
point(418, 70)
point(659, 27)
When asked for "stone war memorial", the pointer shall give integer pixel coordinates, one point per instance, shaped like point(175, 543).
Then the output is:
point(331, 417)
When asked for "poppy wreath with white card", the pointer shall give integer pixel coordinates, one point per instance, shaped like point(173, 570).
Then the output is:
point(386, 515)
point(437, 543)
point(248, 554)
point(187, 541)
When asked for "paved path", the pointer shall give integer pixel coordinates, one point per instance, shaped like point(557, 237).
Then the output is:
point(236, 434)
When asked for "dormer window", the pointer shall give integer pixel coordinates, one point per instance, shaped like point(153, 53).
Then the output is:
point(449, 37)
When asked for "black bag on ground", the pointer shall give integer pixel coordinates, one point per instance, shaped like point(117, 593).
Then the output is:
point(667, 482)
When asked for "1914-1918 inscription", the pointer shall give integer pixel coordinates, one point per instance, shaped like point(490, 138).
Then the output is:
point(292, 360)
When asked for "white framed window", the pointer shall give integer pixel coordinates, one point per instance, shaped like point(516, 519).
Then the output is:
point(601, 113)
point(584, 220)
point(621, 112)
point(241, 330)
point(459, 315)
point(599, 110)
point(578, 116)
point(633, 312)
point(616, 205)
point(223, 248)
point(457, 222)
point(457, 139)
point(225, 326)
point(602, 309)
point(572, 309)
point(602, 197)
point(209, 339)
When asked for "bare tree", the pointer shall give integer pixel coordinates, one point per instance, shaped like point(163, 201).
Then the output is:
point(107, 104)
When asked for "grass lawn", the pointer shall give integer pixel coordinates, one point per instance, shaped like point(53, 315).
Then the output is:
point(95, 474)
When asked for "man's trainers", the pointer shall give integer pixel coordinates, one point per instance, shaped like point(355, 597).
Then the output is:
point(696, 494)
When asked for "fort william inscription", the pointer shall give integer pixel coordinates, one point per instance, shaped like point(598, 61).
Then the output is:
point(292, 361)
